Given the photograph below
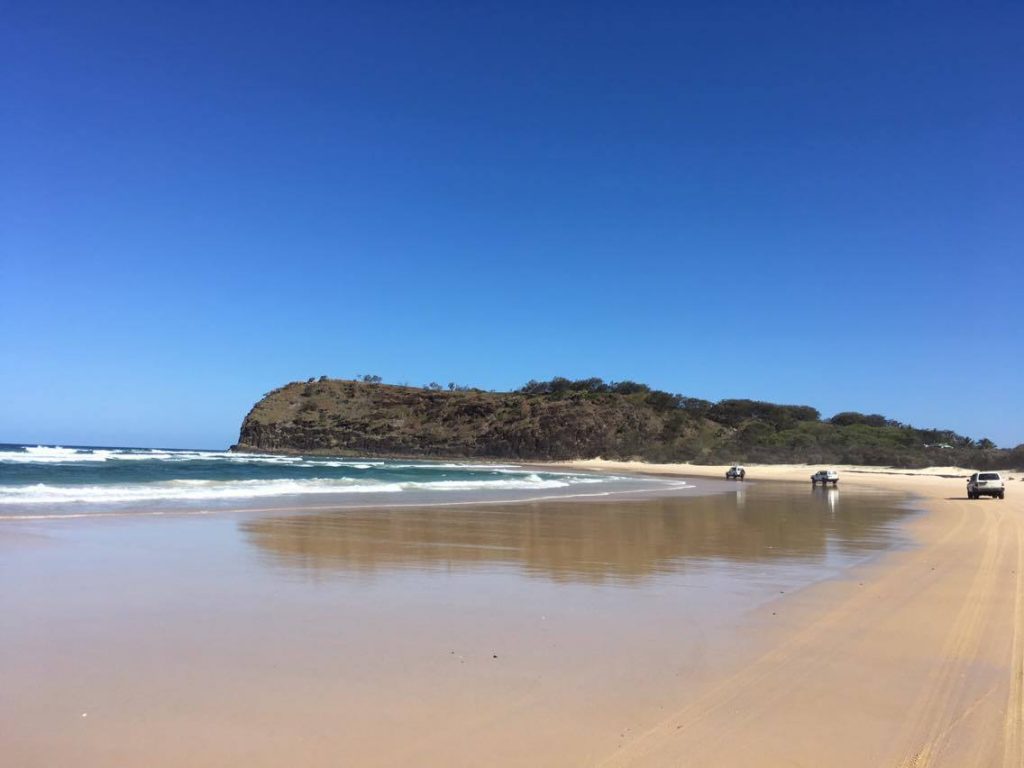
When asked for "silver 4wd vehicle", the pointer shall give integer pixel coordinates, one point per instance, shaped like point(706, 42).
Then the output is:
point(985, 484)
point(825, 476)
point(736, 472)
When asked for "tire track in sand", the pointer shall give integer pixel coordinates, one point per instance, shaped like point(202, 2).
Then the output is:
point(1013, 724)
point(792, 653)
point(940, 707)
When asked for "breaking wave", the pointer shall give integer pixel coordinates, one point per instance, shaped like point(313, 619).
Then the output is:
point(91, 479)
point(202, 490)
point(42, 454)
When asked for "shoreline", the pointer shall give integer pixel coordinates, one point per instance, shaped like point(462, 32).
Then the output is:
point(860, 474)
point(595, 497)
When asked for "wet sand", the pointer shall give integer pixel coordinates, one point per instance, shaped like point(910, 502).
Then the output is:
point(769, 626)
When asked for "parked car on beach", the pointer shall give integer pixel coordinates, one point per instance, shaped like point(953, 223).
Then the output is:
point(735, 472)
point(825, 476)
point(985, 484)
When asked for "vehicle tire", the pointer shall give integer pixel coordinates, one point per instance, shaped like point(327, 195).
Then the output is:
point(1001, 495)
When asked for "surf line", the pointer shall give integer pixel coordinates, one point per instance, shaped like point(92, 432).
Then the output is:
point(339, 507)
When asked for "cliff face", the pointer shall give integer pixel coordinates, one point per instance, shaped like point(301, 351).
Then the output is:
point(353, 418)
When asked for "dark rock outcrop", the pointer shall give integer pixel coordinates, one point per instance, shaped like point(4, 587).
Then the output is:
point(353, 418)
point(562, 419)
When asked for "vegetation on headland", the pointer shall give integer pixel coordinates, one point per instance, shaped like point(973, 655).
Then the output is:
point(565, 419)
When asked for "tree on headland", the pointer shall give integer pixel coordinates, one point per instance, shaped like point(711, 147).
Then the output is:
point(695, 406)
point(735, 412)
point(846, 418)
point(628, 387)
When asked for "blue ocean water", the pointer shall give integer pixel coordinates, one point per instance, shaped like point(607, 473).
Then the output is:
point(35, 477)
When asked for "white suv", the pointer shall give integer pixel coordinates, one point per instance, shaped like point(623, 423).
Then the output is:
point(825, 476)
point(985, 484)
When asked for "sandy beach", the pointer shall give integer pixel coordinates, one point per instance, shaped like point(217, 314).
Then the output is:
point(763, 626)
point(916, 662)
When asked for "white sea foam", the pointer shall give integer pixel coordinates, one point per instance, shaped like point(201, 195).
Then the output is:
point(42, 454)
point(199, 490)
point(457, 465)
point(49, 454)
point(345, 464)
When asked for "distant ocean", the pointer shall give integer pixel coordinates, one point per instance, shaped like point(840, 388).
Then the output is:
point(44, 481)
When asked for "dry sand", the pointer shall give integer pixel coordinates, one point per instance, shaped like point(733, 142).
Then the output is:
point(917, 662)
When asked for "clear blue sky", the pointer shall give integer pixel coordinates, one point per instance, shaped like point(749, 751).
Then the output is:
point(789, 201)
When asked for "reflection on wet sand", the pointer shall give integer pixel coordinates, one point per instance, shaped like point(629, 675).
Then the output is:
point(587, 542)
